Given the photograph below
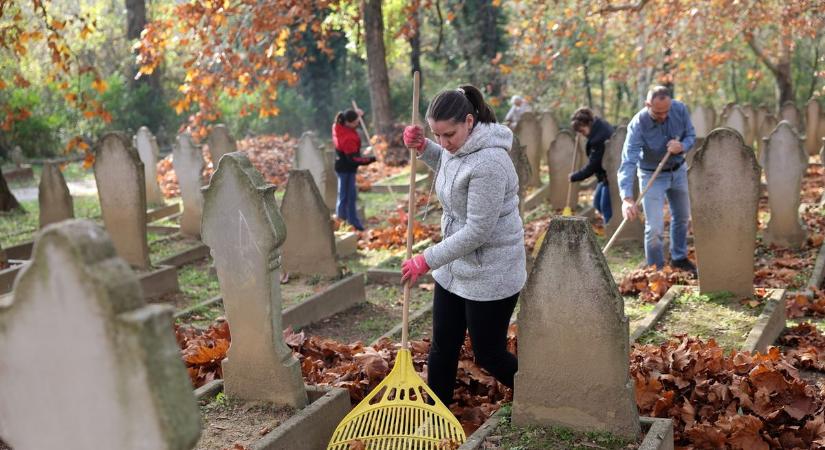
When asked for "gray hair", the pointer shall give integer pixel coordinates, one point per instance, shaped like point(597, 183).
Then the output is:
point(658, 92)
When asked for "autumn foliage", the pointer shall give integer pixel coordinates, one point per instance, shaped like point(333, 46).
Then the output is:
point(236, 48)
point(203, 350)
point(394, 235)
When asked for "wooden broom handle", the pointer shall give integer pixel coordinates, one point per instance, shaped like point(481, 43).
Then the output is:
point(405, 315)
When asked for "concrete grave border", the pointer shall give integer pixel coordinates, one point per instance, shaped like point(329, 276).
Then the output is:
point(379, 188)
point(341, 295)
point(20, 251)
point(22, 173)
point(658, 433)
point(162, 229)
point(537, 197)
point(309, 429)
point(346, 244)
point(7, 277)
point(161, 280)
point(184, 257)
point(161, 212)
point(768, 326)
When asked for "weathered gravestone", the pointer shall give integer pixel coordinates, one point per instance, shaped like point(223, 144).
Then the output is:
point(529, 134)
point(737, 120)
point(17, 156)
point(86, 363)
point(518, 155)
point(310, 242)
point(753, 130)
point(244, 229)
point(119, 176)
point(766, 127)
point(549, 131)
point(147, 148)
point(724, 198)
point(53, 196)
point(560, 160)
point(582, 380)
point(785, 163)
point(310, 155)
point(188, 161)
point(220, 142)
point(813, 111)
point(790, 112)
point(635, 229)
point(700, 119)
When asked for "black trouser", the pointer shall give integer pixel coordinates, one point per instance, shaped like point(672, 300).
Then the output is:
point(487, 322)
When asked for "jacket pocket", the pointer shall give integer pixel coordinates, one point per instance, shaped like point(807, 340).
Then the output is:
point(479, 257)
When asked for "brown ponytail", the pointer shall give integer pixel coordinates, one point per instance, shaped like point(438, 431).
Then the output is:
point(346, 116)
point(455, 104)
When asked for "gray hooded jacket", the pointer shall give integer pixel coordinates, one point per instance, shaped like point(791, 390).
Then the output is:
point(481, 255)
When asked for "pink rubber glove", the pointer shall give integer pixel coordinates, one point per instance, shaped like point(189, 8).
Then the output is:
point(414, 138)
point(413, 268)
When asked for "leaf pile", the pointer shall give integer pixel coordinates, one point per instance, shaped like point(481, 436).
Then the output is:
point(813, 184)
point(269, 154)
point(203, 350)
point(394, 235)
point(359, 369)
point(800, 305)
point(651, 284)
point(533, 230)
point(804, 347)
point(738, 401)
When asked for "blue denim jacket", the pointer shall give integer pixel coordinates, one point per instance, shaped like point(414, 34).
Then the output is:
point(646, 143)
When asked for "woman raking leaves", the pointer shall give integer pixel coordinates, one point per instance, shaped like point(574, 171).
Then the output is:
point(479, 266)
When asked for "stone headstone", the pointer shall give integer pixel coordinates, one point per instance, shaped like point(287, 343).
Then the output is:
point(518, 155)
point(310, 242)
point(220, 142)
point(560, 160)
point(188, 161)
point(148, 150)
point(17, 156)
point(790, 112)
point(761, 112)
point(86, 364)
point(549, 131)
point(119, 175)
point(750, 115)
point(529, 134)
point(724, 198)
point(820, 127)
point(633, 230)
point(785, 163)
point(737, 120)
point(53, 195)
point(813, 111)
point(726, 111)
point(699, 118)
point(822, 153)
point(310, 155)
point(244, 229)
point(569, 374)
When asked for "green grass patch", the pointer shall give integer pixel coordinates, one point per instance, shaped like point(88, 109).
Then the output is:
point(636, 310)
point(17, 227)
point(402, 178)
point(194, 281)
point(508, 436)
point(162, 247)
point(719, 316)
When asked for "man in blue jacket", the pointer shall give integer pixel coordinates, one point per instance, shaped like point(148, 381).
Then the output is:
point(663, 126)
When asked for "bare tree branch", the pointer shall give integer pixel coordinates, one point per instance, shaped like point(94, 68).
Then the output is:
point(761, 54)
point(626, 7)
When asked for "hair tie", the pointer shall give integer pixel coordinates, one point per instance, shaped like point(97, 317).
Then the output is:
point(461, 90)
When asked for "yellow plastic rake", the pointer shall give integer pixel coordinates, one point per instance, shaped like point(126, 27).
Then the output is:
point(402, 412)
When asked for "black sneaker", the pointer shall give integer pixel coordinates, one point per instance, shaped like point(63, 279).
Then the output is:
point(684, 264)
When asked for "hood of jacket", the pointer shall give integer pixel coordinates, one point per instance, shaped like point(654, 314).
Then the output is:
point(487, 135)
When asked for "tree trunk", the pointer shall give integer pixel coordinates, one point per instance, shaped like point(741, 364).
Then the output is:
point(377, 66)
point(135, 23)
point(780, 69)
point(7, 200)
point(587, 84)
point(415, 48)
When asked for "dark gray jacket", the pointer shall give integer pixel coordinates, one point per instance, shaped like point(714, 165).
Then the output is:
point(481, 255)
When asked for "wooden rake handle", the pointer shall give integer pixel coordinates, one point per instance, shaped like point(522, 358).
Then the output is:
point(361, 121)
point(644, 191)
point(572, 169)
point(405, 315)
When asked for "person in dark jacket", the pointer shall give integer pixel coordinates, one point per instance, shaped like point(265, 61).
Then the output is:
point(347, 159)
point(597, 131)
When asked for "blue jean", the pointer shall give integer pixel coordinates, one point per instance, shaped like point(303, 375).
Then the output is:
point(601, 201)
point(347, 193)
point(674, 187)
